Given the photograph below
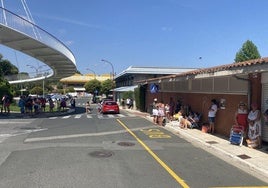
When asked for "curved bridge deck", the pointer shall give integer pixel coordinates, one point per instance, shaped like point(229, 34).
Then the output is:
point(22, 35)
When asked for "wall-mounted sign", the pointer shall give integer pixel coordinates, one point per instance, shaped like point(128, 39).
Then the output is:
point(154, 88)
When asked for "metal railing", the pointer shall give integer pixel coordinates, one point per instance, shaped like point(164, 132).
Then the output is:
point(20, 24)
point(30, 75)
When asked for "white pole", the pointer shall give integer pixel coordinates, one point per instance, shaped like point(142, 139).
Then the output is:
point(4, 12)
point(43, 88)
point(28, 14)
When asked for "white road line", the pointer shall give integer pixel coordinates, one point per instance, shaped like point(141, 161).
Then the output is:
point(80, 135)
point(65, 117)
point(14, 122)
point(77, 116)
point(90, 116)
point(121, 115)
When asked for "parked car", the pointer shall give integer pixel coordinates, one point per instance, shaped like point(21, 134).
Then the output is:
point(109, 107)
point(57, 97)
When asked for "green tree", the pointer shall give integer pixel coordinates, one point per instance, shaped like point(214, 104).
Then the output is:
point(92, 86)
point(128, 94)
point(59, 85)
point(247, 52)
point(106, 86)
point(6, 68)
point(70, 89)
point(37, 90)
point(5, 88)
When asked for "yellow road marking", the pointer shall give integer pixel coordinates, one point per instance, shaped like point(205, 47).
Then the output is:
point(155, 133)
point(164, 165)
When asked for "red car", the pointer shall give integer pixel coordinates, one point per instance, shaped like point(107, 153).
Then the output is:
point(109, 107)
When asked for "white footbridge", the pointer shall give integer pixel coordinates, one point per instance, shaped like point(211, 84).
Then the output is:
point(22, 35)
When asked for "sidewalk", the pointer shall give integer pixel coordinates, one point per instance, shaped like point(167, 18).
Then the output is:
point(18, 115)
point(254, 159)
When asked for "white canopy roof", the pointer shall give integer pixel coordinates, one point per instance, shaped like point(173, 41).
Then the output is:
point(125, 88)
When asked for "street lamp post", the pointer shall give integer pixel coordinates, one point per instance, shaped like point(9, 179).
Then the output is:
point(103, 60)
point(37, 70)
point(92, 71)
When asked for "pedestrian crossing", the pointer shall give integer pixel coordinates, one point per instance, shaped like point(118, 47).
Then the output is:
point(90, 116)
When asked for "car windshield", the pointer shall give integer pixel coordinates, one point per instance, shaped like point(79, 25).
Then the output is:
point(110, 103)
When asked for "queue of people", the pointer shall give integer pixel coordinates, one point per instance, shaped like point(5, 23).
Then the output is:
point(188, 119)
point(248, 119)
point(163, 113)
point(35, 105)
point(32, 105)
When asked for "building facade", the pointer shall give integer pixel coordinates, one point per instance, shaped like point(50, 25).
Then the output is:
point(77, 81)
point(228, 84)
point(127, 80)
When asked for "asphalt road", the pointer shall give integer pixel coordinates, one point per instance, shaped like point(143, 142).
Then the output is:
point(113, 151)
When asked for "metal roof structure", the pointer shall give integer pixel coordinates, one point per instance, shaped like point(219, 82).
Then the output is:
point(125, 88)
point(153, 70)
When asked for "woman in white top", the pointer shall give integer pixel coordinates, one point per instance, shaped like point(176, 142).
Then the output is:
point(212, 115)
point(254, 134)
point(155, 111)
point(161, 113)
point(254, 119)
point(254, 114)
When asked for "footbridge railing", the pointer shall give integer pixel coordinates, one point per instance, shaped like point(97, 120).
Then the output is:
point(20, 34)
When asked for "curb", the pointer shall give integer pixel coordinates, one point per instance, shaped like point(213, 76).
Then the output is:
point(261, 172)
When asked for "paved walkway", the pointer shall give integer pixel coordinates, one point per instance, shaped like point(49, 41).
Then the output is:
point(255, 159)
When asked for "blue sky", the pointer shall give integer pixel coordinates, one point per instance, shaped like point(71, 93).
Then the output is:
point(168, 33)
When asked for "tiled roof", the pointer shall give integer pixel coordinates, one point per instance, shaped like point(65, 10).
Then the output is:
point(228, 67)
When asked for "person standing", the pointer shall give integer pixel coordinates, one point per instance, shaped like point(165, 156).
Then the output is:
point(123, 103)
point(72, 103)
point(212, 115)
point(167, 112)
point(155, 111)
point(51, 105)
point(88, 107)
point(128, 101)
point(130, 106)
point(161, 113)
point(241, 116)
point(171, 107)
point(254, 134)
point(6, 103)
point(254, 116)
point(21, 104)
